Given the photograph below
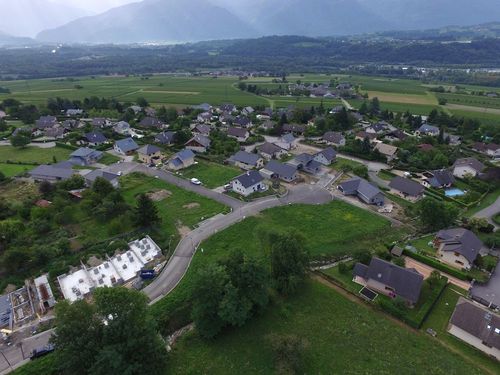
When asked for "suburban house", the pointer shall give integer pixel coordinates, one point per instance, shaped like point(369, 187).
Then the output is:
point(365, 191)
point(286, 142)
point(52, 173)
point(439, 179)
point(457, 247)
point(396, 135)
point(389, 151)
point(122, 128)
point(240, 134)
point(334, 138)
point(306, 163)
point(247, 111)
point(426, 129)
point(199, 143)
point(467, 167)
point(249, 183)
point(326, 156)
point(267, 125)
point(98, 173)
point(246, 160)
point(45, 122)
point(165, 138)
point(85, 156)
point(204, 117)
point(276, 170)
point(56, 132)
point(490, 149)
point(271, 151)
point(74, 112)
point(294, 129)
point(227, 107)
point(452, 140)
point(378, 128)
point(243, 122)
point(126, 146)
point(406, 188)
point(181, 160)
point(362, 135)
point(150, 154)
point(476, 326)
point(95, 138)
point(389, 279)
point(201, 129)
point(150, 122)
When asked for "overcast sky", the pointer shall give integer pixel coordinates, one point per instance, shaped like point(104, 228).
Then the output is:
point(95, 5)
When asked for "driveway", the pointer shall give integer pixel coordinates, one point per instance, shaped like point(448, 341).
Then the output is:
point(377, 180)
point(489, 212)
point(426, 270)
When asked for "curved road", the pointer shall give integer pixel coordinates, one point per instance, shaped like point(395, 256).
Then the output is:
point(489, 212)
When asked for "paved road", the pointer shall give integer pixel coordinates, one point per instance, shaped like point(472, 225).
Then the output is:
point(179, 263)
point(14, 354)
point(489, 212)
point(377, 180)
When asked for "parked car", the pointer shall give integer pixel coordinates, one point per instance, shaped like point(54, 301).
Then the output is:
point(37, 353)
point(195, 181)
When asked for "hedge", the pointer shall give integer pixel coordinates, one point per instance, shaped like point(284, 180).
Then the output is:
point(438, 265)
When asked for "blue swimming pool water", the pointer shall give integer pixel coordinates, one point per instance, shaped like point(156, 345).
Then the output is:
point(454, 192)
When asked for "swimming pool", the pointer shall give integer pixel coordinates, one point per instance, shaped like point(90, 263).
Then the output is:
point(454, 192)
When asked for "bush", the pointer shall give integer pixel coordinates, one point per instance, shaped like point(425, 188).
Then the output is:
point(288, 352)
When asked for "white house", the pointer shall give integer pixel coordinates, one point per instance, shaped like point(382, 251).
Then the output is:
point(249, 183)
point(467, 167)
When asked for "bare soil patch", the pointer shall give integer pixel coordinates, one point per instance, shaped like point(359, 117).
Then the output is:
point(190, 206)
point(157, 196)
point(182, 229)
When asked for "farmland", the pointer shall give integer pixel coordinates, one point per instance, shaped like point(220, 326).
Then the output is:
point(343, 337)
point(33, 155)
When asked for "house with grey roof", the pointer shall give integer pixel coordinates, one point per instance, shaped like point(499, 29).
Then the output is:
point(271, 151)
point(326, 156)
point(150, 154)
point(55, 132)
point(276, 170)
point(438, 179)
point(389, 151)
point(365, 191)
point(95, 138)
point(334, 138)
point(242, 121)
point(426, 129)
point(389, 279)
point(467, 167)
point(201, 129)
point(249, 183)
point(406, 188)
point(199, 143)
point(306, 163)
point(126, 146)
point(150, 122)
point(457, 247)
point(52, 173)
point(246, 160)
point(45, 122)
point(181, 160)
point(240, 134)
point(476, 326)
point(122, 128)
point(98, 173)
point(286, 142)
point(85, 156)
point(490, 149)
point(295, 129)
point(165, 138)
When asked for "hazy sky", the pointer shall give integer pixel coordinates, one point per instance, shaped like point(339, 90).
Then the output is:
point(95, 5)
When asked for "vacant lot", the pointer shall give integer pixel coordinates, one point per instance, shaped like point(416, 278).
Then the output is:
point(11, 170)
point(343, 337)
point(33, 155)
point(212, 175)
point(172, 209)
point(329, 230)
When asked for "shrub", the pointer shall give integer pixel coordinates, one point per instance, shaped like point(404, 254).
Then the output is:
point(438, 265)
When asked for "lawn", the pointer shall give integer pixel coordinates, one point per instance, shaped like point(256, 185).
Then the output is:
point(108, 159)
point(422, 244)
point(341, 162)
point(33, 155)
point(330, 230)
point(386, 175)
point(438, 321)
point(11, 170)
point(344, 338)
point(181, 208)
point(487, 201)
point(212, 175)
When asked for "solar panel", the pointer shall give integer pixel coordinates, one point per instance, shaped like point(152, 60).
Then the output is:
point(368, 293)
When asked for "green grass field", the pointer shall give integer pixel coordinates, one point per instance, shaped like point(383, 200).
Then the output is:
point(33, 155)
point(329, 230)
point(471, 100)
point(344, 338)
point(11, 170)
point(212, 175)
point(180, 208)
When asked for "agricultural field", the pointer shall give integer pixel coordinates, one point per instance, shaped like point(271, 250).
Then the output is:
point(471, 100)
point(33, 155)
point(343, 337)
point(330, 230)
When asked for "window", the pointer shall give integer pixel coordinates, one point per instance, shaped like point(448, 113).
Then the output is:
point(459, 262)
